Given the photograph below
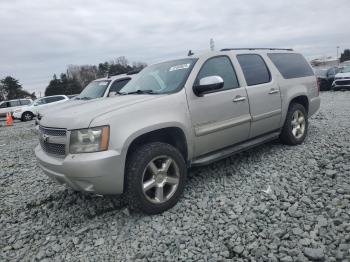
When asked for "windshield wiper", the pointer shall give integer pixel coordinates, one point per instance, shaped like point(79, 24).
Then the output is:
point(148, 91)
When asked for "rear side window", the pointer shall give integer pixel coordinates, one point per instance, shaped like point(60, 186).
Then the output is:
point(53, 99)
point(291, 65)
point(254, 69)
point(219, 66)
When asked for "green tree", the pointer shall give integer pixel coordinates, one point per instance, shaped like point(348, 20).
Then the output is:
point(10, 88)
point(345, 56)
point(63, 86)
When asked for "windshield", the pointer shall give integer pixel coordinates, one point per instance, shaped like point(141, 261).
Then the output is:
point(38, 101)
point(345, 70)
point(160, 78)
point(94, 90)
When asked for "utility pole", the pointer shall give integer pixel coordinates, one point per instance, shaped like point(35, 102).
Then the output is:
point(338, 55)
point(212, 44)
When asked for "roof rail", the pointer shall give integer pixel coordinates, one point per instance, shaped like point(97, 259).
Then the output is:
point(257, 48)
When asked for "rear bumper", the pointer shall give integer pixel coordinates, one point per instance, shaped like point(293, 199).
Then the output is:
point(100, 172)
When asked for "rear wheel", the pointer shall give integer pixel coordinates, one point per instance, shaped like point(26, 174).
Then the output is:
point(155, 178)
point(296, 125)
point(27, 116)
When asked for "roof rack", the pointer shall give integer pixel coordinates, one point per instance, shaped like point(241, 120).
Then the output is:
point(257, 48)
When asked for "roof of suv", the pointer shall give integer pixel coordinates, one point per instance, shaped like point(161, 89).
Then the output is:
point(244, 51)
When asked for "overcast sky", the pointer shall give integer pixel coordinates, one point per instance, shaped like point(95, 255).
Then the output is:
point(41, 37)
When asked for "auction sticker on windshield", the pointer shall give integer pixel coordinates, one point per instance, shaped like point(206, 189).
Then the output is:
point(178, 67)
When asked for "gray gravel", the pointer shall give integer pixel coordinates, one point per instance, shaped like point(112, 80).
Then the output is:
point(272, 203)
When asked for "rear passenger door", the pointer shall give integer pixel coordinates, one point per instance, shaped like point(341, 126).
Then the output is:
point(263, 93)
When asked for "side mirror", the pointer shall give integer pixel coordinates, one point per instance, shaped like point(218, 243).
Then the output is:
point(208, 84)
point(112, 93)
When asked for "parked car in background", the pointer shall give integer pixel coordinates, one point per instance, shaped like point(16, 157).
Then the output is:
point(27, 113)
point(11, 105)
point(104, 87)
point(99, 88)
point(325, 77)
point(174, 115)
point(342, 79)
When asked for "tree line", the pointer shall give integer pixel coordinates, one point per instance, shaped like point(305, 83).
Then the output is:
point(10, 88)
point(77, 77)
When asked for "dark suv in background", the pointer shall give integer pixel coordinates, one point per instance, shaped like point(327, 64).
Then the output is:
point(325, 77)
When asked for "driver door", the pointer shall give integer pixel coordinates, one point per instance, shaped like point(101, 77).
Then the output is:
point(220, 118)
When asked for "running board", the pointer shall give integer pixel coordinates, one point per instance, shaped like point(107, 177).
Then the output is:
point(229, 151)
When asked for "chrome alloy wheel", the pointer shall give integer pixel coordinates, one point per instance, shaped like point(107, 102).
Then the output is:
point(298, 124)
point(160, 179)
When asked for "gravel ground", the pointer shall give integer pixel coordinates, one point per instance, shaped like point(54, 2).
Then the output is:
point(272, 203)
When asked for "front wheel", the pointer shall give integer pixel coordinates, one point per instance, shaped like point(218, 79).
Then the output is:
point(27, 116)
point(296, 125)
point(155, 177)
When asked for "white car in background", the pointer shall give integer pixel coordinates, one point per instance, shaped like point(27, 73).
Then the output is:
point(27, 113)
point(342, 79)
point(11, 105)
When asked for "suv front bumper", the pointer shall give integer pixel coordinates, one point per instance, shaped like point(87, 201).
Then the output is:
point(99, 172)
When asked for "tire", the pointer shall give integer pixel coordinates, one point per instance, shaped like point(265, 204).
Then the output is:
point(168, 167)
point(294, 131)
point(27, 116)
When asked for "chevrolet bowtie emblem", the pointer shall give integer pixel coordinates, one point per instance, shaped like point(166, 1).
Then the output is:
point(45, 138)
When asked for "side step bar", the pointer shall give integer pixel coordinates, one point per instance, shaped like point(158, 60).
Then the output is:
point(228, 151)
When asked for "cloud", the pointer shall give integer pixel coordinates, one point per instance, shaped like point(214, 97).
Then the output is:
point(39, 38)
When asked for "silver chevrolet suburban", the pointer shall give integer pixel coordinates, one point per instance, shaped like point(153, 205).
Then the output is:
point(178, 114)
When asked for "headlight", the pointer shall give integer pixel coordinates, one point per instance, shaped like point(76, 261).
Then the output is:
point(89, 140)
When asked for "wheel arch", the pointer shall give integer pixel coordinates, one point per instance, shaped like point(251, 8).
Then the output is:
point(172, 135)
point(301, 99)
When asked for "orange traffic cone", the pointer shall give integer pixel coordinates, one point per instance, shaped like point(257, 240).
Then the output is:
point(9, 119)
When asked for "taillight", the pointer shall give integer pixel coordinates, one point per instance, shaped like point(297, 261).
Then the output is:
point(318, 86)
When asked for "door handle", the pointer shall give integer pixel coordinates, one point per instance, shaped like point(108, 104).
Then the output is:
point(273, 91)
point(239, 99)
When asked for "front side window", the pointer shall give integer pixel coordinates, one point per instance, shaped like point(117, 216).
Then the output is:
point(14, 103)
point(93, 90)
point(25, 102)
point(162, 78)
point(219, 66)
point(291, 65)
point(117, 85)
point(254, 69)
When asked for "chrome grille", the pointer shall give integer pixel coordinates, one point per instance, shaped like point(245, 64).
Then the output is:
point(52, 140)
point(52, 131)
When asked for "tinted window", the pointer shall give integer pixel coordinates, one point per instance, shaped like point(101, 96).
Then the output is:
point(3, 105)
point(14, 103)
point(117, 85)
point(291, 65)
point(25, 102)
point(219, 66)
point(254, 69)
point(53, 99)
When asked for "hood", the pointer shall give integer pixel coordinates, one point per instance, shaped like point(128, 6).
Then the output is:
point(343, 74)
point(75, 114)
